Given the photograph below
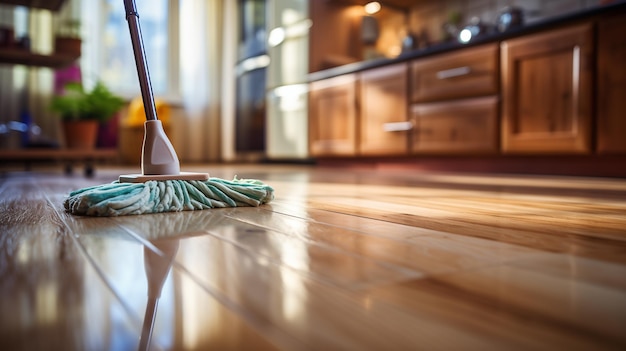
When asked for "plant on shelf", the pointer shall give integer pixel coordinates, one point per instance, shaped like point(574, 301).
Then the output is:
point(82, 111)
point(67, 40)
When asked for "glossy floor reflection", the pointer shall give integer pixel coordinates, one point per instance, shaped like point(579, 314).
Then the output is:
point(341, 260)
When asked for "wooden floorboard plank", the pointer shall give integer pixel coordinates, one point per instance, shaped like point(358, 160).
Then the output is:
point(347, 221)
point(609, 224)
point(322, 316)
point(595, 311)
point(49, 293)
point(132, 268)
point(434, 253)
point(507, 230)
point(595, 272)
point(189, 318)
point(331, 264)
point(509, 326)
point(527, 203)
point(325, 264)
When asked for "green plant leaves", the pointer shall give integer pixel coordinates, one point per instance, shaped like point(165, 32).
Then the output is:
point(77, 104)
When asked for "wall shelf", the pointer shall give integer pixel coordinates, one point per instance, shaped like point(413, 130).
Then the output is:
point(23, 57)
point(67, 157)
point(27, 58)
point(53, 5)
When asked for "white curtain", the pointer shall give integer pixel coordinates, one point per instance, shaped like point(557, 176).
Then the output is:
point(229, 58)
point(40, 81)
point(198, 137)
point(27, 90)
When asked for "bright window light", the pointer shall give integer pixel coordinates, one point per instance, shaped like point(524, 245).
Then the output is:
point(117, 63)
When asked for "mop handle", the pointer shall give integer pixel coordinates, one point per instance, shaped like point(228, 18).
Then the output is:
point(140, 59)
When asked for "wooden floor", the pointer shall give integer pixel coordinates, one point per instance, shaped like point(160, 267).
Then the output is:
point(341, 260)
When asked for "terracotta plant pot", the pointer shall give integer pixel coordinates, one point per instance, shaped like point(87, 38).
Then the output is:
point(80, 134)
point(67, 46)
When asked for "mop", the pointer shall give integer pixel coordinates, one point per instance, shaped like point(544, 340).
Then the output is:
point(161, 186)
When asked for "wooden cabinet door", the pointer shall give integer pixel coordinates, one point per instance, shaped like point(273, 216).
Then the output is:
point(384, 125)
point(611, 93)
point(332, 116)
point(460, 126)
point(546, 89)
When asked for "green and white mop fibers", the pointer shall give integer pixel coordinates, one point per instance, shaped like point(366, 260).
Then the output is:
point(120, 199)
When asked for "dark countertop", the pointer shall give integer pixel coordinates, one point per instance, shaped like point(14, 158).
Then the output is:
point(619, 6)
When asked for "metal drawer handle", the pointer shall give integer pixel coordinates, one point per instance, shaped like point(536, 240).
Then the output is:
point(397, 126)
point(454, 72)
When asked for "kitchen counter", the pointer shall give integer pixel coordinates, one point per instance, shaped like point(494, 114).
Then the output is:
point(619, 6)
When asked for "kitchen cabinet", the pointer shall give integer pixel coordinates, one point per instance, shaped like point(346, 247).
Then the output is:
point(551, 92)
point(384, 124)
point(333, 116)
point(455, 102)
point(469, 72)
point(547, 91)
point(611, 88)
point(360, 114)
point(461, 126)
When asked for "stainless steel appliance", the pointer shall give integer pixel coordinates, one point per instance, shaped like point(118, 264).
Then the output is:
point(251, 69)
point(287, 87)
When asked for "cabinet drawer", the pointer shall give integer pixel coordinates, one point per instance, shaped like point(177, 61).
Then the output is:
point(384, 126)
point(467, 73)
point(460, 126)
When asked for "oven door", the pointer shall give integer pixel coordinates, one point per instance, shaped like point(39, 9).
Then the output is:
point(250, 112)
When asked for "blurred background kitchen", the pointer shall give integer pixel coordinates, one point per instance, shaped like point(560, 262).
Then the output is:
point(236, 80)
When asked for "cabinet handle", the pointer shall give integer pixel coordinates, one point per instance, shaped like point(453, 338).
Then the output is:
point(397, 126)
point(454, 72)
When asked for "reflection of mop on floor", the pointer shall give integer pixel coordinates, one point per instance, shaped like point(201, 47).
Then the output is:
point(161, 187)
point(157, 267)
point(161, 234)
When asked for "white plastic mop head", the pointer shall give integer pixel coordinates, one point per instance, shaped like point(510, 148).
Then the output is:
point(158, 158)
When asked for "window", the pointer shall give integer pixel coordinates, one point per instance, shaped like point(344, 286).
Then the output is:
point(112, 59)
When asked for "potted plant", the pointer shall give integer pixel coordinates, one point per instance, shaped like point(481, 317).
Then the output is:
point(82, 111)
point(67, 40)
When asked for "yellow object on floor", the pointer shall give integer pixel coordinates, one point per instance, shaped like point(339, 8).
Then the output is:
point(137, 116)
point(131, 129)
